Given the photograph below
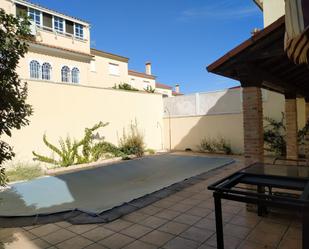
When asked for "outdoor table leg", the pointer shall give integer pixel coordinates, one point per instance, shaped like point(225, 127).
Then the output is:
point(219, 225)
point(262, 209)
point(305, 228)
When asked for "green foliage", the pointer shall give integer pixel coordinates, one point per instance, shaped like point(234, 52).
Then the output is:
point(104, 149)
point(86, 150)
point(275, 132)
point(216, 145)
point(224, 146)
point(87, 143)
point(13, 108)
point(67, 152)
point(21, 172)
point(149, 89)
point(274, 136)
point(133, 142)
point(3, 177)
point(151, 151)
point(125, 86)
point(207, 145)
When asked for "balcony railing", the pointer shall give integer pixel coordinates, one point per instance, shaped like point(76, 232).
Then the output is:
point(58, 33)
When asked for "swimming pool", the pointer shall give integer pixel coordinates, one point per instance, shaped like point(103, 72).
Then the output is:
point(99, 189)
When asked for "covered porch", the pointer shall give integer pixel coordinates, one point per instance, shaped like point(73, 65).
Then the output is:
point(261, 62)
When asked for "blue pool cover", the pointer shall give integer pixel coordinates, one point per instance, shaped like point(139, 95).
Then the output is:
point(100, 189)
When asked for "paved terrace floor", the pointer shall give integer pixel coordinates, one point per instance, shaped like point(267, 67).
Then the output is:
point(184, 220)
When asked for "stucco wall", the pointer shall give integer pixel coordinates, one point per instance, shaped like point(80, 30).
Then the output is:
point(101, 76)
point(64, 109)
point(7, 6)
point(273, 9)
point(140, 82)
point(214, 115)
point(187, 132)
point(167, 92)
point(57, 61)
point(55, 39)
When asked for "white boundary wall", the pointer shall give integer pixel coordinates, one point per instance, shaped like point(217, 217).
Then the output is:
point(214, 115)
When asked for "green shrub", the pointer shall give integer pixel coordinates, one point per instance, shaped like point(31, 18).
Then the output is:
point(125, 86)
point(22, 172)
point(3, 177)
point(104, 148)
point(151, 151)
point(72, 152)
point(216, 145)
point(67, 152)
point(275, 132)
point(207, 145)
point(133, 142)
point(14, 111)
point(149, 89)
point(224, 146)
point(87, 144)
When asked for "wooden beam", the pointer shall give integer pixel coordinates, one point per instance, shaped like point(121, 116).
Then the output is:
point(268, 54)
point(258, 74)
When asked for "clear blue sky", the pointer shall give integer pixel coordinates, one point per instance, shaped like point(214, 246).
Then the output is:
point(180, 37)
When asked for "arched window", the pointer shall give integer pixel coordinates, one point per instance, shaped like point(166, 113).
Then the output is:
point(65, 74)
point(35, 69)
point(46, 71)
point(75, 75)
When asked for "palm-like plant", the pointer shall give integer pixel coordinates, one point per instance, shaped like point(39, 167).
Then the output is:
point(70, 151)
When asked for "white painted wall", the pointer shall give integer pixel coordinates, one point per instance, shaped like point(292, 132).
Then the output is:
point(273, 9)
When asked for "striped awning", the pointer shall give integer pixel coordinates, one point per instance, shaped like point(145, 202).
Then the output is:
point(297, 31)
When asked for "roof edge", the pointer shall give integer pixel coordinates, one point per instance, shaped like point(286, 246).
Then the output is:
point(102, 53)
point(140, 74)
point(51, 11)
point(34, 44)
point(247, 43)
point(259, 3)
point(163, 86)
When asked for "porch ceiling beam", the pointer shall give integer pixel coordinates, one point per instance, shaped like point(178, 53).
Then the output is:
point(265, 55)
point(259, 76)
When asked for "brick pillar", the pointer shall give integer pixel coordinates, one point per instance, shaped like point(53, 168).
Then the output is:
point(307, 135)
point(253, 125)
point(291, 127)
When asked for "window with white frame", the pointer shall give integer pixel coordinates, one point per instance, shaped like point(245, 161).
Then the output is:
point(75, 75)
point(65, 74)
point(79, 31)
point(35, 16)
point(35, 70)
point(113, 69)
point(46, 71)
point(58, 24)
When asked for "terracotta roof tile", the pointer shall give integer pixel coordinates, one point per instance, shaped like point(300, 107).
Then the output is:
point(163, 86)
point(142, 75)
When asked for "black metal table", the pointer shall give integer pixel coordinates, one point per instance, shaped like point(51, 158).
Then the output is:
point(291, 182)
